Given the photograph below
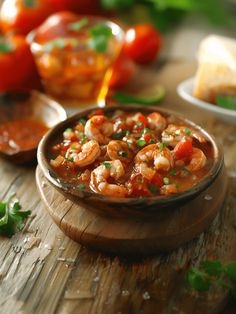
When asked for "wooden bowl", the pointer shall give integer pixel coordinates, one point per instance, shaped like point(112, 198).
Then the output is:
point(130, 226)
point(28, 104)
point(125, 206)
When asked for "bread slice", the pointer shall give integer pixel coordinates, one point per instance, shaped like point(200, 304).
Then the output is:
point(216, 74)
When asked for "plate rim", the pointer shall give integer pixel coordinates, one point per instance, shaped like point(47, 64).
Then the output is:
point(181, 90)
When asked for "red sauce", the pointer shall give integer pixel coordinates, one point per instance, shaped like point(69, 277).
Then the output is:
point(21, 134)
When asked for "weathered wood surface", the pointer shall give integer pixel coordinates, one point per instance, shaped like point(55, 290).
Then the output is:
point(43, 271)
point(131, 235)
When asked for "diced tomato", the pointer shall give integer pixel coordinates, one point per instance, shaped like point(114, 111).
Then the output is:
point(141, 122)
point(157, 180)
point(147, 137)
point(183, 149)
point(139, 185)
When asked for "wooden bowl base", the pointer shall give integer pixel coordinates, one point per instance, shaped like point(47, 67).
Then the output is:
point(133, 236)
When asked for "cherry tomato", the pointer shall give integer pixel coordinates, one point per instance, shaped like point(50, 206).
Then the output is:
point(123, 71)
point(142, 43)
point(183, 149)
point(16, 62)
point(23, 15)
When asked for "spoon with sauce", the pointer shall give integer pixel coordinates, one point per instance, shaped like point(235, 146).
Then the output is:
point(25, 116)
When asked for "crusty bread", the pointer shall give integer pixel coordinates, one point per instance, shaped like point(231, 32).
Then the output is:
point(216, 74)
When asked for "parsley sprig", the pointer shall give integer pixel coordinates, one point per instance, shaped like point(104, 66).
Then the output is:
point(11, 218)
point(212, 273)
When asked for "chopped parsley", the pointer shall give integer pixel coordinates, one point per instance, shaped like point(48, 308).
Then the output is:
point(100, 35)
point(106, 164)
point(68, 130)
point(76, 26)
point(152, 188)
point(82, 121)
point(146, 130)
point(176, 185)
point(60, 43)
point(151, 141)
point(173, 172)
point(141, 143)
point(119, 135)
point(162, 145)
point(81, 187)
point(69, 159)
point(82, 137)
point(166, 180)
point(187, 131)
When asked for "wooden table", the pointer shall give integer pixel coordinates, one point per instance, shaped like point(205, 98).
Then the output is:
point(43, 271)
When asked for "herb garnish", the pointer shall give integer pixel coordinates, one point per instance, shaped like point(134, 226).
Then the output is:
point(5, 46)
point(162, 145)
point(80, 187)
point(119, 135)
point(11, 218)
point(166, 180)
point(141, 143)
point(227, 102)
point(76, 26)
point(187, 131)
point(100, 35)
point(212, 273)
point(152, 188)
point(82, 121)
point(106, 164)
point(60, 43)
point(172, 172)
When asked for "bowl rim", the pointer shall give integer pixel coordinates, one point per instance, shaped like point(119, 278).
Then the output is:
point(117, 32)
point(50, 102)
point(66, 187)
point(183, 90)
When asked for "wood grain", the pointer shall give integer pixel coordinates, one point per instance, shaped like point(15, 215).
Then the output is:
point(59, 276)
point(133, 235)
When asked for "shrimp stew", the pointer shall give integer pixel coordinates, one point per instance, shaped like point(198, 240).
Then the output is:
point(131, 154)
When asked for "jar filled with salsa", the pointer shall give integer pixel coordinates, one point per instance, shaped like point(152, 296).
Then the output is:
point(74, 56)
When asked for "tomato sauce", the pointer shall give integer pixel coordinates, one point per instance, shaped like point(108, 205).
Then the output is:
point(132, 155)
point(21, 134)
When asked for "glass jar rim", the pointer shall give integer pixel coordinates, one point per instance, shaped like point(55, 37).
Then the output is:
point(117, 32)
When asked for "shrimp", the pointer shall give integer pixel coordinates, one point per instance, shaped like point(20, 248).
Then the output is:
point(168, 189)
point(198, 160)
point(174, 133)
point(100, 175)
point(156, 121)
point(153, 155)
point(99, 128)
point(119, 150)
point(83, 155)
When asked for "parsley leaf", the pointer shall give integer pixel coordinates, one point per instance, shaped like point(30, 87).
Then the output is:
point(11, 218)
point(227, 102)
point(106, 164)
point(100, 35)
point(141, 143)
point(198, 280)
point(76, 26)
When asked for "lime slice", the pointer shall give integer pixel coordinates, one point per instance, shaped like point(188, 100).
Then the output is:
point(149, 96)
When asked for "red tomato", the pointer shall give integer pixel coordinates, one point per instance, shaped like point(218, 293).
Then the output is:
point(183, 149)
point(16, 62)
point(122, 73)
point(23, 15)
point(78, 6)
point(142, 43)
point(139, 185)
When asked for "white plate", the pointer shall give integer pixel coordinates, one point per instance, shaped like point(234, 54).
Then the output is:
point(185, 90)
